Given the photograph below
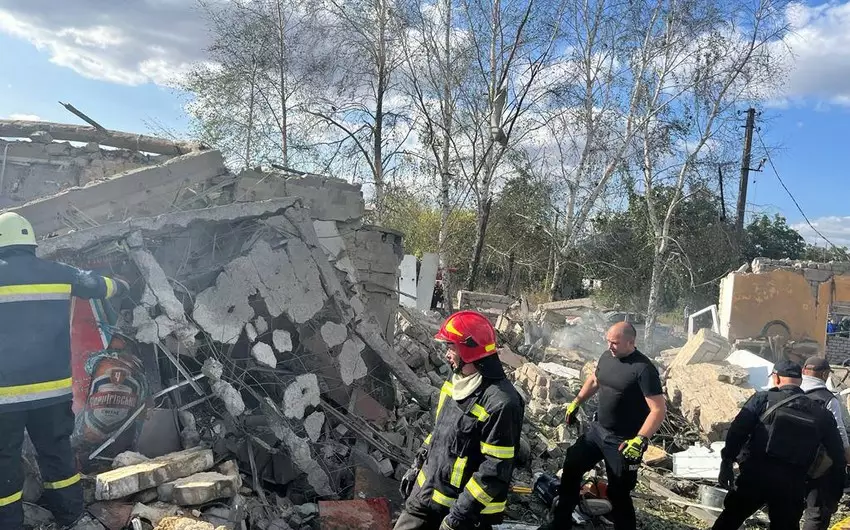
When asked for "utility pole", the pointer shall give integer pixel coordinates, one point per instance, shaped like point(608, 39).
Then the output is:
point(745, 171)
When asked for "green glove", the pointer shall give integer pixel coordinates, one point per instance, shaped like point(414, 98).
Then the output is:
point(634, 449)
point(572, 412)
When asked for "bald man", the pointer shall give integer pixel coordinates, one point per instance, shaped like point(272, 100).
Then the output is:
point(631, 409)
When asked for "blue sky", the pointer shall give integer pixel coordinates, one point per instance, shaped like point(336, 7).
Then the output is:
point(113, 59)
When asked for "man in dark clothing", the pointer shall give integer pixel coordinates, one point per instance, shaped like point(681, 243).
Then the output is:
point(631, 409)
point(461, 476)
point(35, 377)
point(774, 453)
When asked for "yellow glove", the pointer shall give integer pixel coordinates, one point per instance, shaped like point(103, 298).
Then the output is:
point(633, 449)
point(572, 412)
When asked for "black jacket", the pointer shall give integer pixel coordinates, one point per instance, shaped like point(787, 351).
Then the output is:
point(747, 438)
point(35, 326)
point(470, 455)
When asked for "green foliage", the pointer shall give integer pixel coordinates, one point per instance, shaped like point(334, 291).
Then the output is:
point(773, 238)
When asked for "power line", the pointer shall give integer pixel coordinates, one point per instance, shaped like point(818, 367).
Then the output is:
point(793, 199)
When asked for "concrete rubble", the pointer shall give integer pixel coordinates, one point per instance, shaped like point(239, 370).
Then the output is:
point(268, 315)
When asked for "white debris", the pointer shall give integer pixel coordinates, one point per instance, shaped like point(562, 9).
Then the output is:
point(263, 354)
point(302, 393)
point(282, 340)
point(334, 334)
point(560, 370)
point(231, 397)
point(698, 462)
point(351, 364)
point(212, 369)
point(261, 325)
point(329, 238)
point(313, 425)
point(251, 332)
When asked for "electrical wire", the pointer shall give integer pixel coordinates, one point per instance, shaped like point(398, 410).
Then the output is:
point(791, 195)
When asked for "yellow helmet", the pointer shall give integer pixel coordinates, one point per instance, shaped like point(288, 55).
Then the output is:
point(15, 230)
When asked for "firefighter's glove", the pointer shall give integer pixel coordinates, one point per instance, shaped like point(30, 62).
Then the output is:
point(634, 449)
point(726, 479)
point(449, 523)
point(572, 413)
point(409, 478)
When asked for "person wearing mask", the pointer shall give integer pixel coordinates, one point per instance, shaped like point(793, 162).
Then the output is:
point(631, 409)
point(460, 478)
point(35, 378)
point(824, 493)
point(775, 439)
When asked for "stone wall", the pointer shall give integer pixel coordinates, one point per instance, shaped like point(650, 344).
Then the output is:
point(29, 170)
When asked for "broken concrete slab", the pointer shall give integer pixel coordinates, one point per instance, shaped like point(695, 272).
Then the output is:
point(128, 458)
point(136, 193)
point(184, 523)
point(482, 301)
point(705, 401)
point(199, 488)
point(698, 462)
point(114, 515)
point(351, 364)
point(231, 397)
point(334, 334)
point(300, 394)
point(120, 483)
point(705, 346)
point(758, 368)
point(264, 354)
point(313, 425)
point(282, 341)
point(155, 512)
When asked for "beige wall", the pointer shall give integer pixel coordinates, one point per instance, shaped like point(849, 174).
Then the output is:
point(749, 301)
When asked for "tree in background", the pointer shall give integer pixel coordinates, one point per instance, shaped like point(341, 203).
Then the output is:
point(773, 238)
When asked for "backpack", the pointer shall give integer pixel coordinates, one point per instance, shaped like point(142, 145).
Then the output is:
point(793, 437)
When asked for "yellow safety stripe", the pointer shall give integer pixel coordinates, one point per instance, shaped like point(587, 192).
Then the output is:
point(445, 392)
point(35, 387)
point(478, 492)
point(420, 478)
point(457, 471)
point(35, 292)
point(443, 500)
point(59, 484)
point(15, 497)
point(427, 440)
point(499, 451)
point(110, 287)
point(494, 507)
point(479, 412)
point(489, 347)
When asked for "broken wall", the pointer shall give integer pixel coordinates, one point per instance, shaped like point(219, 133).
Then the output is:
point(795, 293)
point(29, 170)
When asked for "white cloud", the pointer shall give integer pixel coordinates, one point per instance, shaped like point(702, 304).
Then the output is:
point(820, 44)
point(122, 42)
point(25, 117)
point(835, 228)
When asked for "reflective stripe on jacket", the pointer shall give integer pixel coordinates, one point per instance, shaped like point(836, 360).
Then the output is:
point(35, 327)
point(470, 454)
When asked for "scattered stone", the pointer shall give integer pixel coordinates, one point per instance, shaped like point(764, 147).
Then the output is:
point(282, 341)
point(385, 467)
point(334, 334)
point(155, 512)
point(41, 137)
point(212, 369)
point(128, 458)
point(300, 394)
point(184, 523)
point(261, 325)
point(308, 509)
point(251, 332)
point(657, 457)
point(120, 483)
point(199, 489)
point(232, 398)
point(351, 364)
point(263, 354)
point(313, 424)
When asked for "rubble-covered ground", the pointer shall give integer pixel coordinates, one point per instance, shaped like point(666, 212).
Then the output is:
point(261, 373)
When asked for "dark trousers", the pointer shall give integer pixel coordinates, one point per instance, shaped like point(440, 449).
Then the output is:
point(592, 447)
point(821, 503)
point(409, 521)
point(50, 430)
point(759, 485)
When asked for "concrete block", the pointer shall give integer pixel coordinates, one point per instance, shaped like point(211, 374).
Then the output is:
point(706, 346)
point(351, 364)
point(198, 489)
point(334, 334)
point(137, 193)
point(125, 481)
point(282, 341)
point(313, 425)
point(818, 275)
point(263, 354)
point(300, 394)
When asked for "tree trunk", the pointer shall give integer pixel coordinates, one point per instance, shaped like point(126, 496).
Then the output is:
point(250, 126)
point(445, 172)
point(377, 148)
point(480, 233)
point(655, 292)
point(282, 71)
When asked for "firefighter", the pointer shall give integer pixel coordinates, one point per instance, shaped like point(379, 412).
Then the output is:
point(35, 378)
point(461, 475)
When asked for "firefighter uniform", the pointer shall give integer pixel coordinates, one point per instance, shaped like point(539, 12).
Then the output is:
point(470, 459)
point(35, 378)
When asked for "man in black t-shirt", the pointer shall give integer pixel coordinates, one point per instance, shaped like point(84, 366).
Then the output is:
point(631, 409)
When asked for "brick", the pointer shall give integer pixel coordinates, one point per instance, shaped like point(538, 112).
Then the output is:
point(705, 346)
point(125, 481)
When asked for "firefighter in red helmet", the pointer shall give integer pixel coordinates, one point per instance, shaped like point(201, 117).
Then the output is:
point(461, 475)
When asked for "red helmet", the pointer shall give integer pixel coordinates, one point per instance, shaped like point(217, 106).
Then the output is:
point(471, 333)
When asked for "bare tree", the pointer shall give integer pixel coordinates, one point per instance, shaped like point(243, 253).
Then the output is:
point(715, 56)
